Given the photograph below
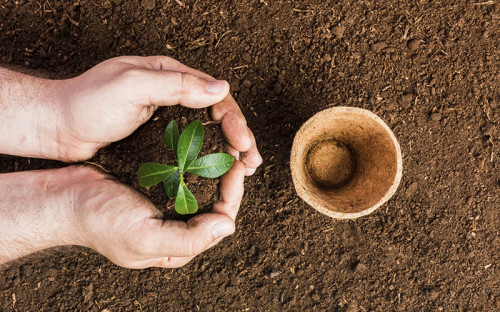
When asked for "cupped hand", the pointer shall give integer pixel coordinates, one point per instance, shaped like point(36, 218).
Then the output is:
point(108, 103)
point(124, 226)
point(111, 100)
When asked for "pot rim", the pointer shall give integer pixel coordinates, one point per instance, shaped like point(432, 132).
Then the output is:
point(309, 198)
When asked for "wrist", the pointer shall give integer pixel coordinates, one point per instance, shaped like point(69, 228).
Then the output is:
point(31, 119)
point(36, 212)
point(85, 192)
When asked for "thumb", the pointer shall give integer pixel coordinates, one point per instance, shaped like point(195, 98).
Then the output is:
point(185, 239)
point(165, 88)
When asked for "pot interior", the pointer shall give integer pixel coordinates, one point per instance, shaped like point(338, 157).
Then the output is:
point(344, 162)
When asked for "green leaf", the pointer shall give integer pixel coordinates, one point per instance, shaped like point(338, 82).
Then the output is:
point(211, 166)
point(171, 184)
point(171, 135)
point(190, 143)
point(185, 203)
point(150, 174)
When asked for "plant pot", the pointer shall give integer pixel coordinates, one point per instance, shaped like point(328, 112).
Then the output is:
point(345, 162)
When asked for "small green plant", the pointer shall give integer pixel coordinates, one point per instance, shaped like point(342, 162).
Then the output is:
point(186, 146)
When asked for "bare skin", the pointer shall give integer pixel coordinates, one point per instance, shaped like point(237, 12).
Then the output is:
point(70, 120)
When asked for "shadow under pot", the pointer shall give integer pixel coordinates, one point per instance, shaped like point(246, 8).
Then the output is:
point(345, 162)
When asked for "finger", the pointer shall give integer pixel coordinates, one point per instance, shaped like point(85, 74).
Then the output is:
point(251, 158)
point(186, 239)
point(165, 88)
point(250, 171)
point(154, 62)
point(160, 62)
point(234, 125)
point(238, 135)
point(215, 242)
point(177, 262)
point(161, 262)
point(231, 190)
point(170, 262)
point(231, 151)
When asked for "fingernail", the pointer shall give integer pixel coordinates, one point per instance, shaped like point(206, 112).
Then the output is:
point(222, 229)
point(216, 86)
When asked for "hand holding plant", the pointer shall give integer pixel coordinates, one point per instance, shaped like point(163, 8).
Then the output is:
point(186, 146)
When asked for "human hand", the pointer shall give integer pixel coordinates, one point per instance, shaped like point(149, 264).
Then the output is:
point(69, 120)
point(79, 206)
point(111, 100)
point(124, 226)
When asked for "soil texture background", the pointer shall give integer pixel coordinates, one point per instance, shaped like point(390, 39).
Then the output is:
point(430, 69)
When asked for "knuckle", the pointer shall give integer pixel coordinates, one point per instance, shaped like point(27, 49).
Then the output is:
point(235, 205)
point(188, 81)
point(242, 121)
point(190, 248)
point(217, 112)
point(162, 61)
point(195, 246)
point(170, 61)
point(176, 80)
point(234, 120)
point(184, 85)
point(256, 160)
point(131, 76)
point(240, 166)
point(239, 120)
point(252, 159)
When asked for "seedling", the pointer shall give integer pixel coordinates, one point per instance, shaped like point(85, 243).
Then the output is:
point(186, 146)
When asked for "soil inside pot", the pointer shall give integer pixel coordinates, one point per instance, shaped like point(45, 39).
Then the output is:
point(330, 164)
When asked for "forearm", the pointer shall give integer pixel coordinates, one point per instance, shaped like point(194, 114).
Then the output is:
point(30, 115)
point(36, 212)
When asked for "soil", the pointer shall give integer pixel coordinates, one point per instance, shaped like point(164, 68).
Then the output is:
point(330, 164)
point(430, 69)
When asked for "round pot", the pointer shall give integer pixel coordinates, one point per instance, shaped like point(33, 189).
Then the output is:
point(345, 162)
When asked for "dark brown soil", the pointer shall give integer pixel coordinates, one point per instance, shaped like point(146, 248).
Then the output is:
point(430, 69)
point(330, 164)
